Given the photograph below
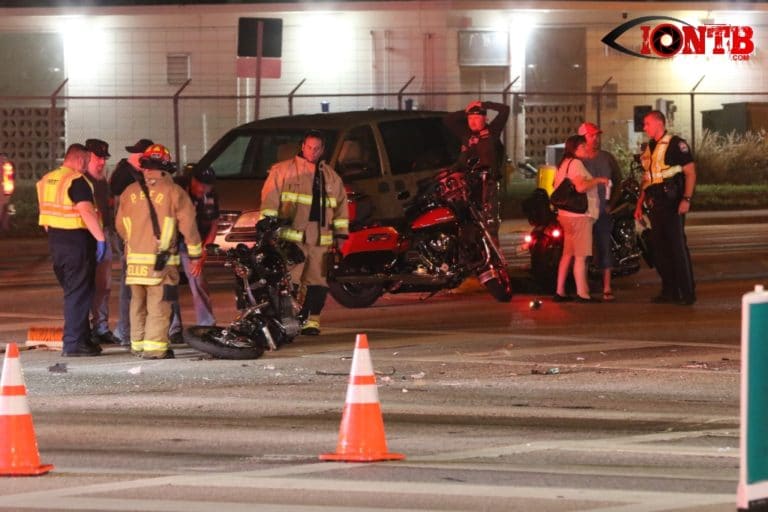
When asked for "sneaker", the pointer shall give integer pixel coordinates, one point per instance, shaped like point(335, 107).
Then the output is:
point(176, 338)
point(106, 338)
point(168, 354)
point(310, 328)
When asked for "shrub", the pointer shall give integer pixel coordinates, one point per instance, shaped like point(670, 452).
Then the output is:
point(740, 159)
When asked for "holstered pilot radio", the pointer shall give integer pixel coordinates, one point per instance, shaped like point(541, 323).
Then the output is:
point(163, 255)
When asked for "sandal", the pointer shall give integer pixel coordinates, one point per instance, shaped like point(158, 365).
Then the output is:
point(608, 296)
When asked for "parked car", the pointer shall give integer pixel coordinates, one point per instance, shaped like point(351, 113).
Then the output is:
point(378, 154)
point(8, 184)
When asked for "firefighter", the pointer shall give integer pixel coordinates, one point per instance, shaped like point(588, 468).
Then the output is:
point(76, 241)
point(150, 231)
point(308, 193)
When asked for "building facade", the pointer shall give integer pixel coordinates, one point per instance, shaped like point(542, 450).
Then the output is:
point(113, 72)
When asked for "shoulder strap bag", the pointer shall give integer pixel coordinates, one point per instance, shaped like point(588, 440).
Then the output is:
point(566, 197)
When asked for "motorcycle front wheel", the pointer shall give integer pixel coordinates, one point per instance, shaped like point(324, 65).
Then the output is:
point(355, 295)
point(500, 288)
point(213, 340)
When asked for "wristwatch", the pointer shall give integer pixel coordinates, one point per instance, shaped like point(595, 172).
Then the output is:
point(687, 198)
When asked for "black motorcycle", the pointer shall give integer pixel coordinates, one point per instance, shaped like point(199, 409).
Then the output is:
point(268, 312)
point(630, 240)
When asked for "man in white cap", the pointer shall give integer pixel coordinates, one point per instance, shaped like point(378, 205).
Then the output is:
point(602, 164)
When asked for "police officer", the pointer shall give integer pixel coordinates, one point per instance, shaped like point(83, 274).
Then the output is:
point(667, 187)
point(480, 140)
point(151, 213)
point(77, 244)
point(310, 195)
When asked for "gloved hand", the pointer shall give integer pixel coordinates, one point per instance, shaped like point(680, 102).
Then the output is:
point(101, 250)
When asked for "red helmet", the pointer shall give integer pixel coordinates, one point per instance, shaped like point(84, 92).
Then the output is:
point(158, 153)
point(157, 156)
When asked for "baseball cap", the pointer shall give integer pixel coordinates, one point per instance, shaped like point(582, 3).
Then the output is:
point(205, 175)
point(140, 146)
point(98, 147)
point(477, 111)
point(589, 129)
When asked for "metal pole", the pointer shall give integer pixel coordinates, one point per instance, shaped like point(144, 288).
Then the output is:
point(400, 93)
point(290, 96)
point(176, 137)
point(504, 95)
point(52, 137)
point(259, 42)
point(600, 100)
point(693, 115)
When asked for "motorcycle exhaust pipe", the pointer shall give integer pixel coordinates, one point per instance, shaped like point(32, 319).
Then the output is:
point(387, 278)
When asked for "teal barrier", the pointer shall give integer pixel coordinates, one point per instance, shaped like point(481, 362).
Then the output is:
point(752, 492)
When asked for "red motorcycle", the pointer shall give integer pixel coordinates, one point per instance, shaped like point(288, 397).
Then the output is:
point(443, 239)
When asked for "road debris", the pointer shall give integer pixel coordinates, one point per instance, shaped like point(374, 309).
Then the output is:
point(58, 368)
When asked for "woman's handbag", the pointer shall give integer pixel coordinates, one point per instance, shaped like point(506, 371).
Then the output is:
point(566, 197)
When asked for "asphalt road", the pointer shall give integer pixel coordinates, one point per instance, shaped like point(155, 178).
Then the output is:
point(621, 407)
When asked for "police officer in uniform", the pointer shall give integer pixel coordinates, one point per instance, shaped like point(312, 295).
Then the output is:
point(480, 140)
point(77, 244)
point(310, 195)
point(667, 187)
point(150, 231)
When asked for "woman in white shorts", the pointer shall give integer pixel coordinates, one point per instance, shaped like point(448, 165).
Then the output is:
point(577, 227)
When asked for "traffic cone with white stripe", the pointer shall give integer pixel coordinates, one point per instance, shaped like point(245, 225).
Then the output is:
point(361, 435)
point(18, 446)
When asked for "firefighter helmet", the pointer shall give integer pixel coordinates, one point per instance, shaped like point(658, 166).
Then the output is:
point(156, 156)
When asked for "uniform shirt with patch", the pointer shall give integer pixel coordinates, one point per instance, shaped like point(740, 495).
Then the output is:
point(678, 152)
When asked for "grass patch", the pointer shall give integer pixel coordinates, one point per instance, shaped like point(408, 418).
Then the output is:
point(24, 222)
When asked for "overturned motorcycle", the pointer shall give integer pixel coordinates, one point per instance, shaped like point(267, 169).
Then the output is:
point(443, 239)
point(268, 312)
point(630, 239)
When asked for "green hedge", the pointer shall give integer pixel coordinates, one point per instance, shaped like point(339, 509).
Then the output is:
point(707, 197)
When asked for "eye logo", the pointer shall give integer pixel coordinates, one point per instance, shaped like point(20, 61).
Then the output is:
point(674, 36)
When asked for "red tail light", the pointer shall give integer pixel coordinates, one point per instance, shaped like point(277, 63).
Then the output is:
point(9, 178)
point(556, 233)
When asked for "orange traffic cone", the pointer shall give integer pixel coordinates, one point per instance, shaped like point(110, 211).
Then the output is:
point(361, 435)
point(18, 447)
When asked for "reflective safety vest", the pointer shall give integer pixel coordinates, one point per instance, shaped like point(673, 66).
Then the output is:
point(56, 208)
point(287, 194)
point(175, 213)
point(656, 171)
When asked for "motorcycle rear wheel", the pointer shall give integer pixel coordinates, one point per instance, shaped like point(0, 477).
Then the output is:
point(209, 339)
point(355, 295)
